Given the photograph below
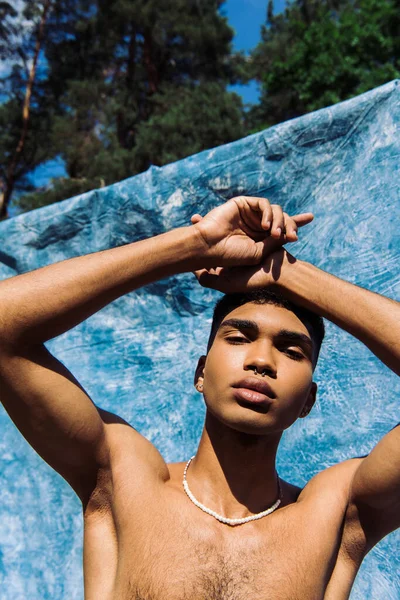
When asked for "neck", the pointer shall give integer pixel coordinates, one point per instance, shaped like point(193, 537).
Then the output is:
point(234, 473)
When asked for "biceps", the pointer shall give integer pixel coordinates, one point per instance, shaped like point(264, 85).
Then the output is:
point(52, 411)
point(376, 484)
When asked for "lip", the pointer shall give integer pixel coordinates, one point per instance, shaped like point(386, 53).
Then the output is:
point(253, 392)
point(256, 385)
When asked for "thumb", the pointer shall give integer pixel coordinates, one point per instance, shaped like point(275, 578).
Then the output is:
point(210, 278)
point(303, 219)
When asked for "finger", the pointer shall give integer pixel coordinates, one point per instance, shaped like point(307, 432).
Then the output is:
point(303, 219)
point(260, 205)
point(278, 223)
point(196, 218)
point(290, 228)
point(211, 271)
point(198, 273)
point(267, 214)
point(207, 279)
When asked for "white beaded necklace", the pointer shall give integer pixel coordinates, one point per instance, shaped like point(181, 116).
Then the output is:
point(264, 513)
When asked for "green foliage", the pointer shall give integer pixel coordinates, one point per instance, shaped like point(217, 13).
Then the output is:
point(124, 85)
point(21, 153)
point(37, 148)
point(7, 29)
point(318, 53)
point(136, 83)
point(188, 120)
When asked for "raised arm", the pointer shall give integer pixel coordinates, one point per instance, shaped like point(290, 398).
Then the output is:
point(373, 319)
point(46, 403)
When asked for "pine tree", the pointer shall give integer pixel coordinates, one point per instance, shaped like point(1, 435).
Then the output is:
point(135, 84)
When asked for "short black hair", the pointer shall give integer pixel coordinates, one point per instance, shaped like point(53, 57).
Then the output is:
point(228, 303)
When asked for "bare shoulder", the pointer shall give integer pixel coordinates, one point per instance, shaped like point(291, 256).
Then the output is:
point(131, 459)
point(333, 484)
point(129, 449)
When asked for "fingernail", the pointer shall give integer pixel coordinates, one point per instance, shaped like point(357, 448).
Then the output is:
point(267, 224)
point(279, 230)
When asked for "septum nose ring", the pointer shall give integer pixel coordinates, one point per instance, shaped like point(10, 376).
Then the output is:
point(263, 373)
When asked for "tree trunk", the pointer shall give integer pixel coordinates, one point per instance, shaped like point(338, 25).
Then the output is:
point(8, 185)
point(305, 10)
point(151, 68)
point(130, 72)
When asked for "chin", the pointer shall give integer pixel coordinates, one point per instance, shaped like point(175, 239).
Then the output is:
point(256, 429)
point(255, 422)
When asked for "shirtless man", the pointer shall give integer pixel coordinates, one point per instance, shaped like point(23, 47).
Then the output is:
point(144, 538)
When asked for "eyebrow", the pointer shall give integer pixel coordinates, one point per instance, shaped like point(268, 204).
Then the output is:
point(241, 324)
point(287, 334)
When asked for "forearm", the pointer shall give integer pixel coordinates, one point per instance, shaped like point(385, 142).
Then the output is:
point(373, 319)
point(42, 304)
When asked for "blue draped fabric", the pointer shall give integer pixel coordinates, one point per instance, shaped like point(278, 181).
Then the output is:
point(137, 356)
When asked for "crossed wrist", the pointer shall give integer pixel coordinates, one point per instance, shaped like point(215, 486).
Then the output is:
point(192, 248)
point(203, 256)
point(292, 276)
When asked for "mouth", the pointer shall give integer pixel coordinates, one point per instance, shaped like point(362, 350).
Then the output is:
point(254, 393)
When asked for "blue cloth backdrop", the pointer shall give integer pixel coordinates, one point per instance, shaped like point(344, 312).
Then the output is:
point(137, 356)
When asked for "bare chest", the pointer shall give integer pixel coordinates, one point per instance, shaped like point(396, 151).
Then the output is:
point(217, 569)
point(158, 546)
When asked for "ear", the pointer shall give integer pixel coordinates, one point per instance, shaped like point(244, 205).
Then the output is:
point(312, 396)
point(199, 374)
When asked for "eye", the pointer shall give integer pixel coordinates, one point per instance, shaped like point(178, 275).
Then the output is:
point(293, 354)
point(236, 339)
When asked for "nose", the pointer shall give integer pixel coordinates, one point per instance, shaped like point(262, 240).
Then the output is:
point(260, 359)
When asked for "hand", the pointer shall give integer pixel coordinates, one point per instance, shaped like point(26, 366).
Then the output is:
point(245, 230)
point(233, 280)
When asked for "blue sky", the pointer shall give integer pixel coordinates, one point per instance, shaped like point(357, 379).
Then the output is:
point(246, 17)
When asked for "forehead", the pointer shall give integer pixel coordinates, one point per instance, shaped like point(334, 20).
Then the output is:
point(268, 316)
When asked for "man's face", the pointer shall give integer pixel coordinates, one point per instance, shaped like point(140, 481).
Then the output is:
point(257, 344)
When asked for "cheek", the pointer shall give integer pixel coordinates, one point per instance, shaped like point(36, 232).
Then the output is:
point(221, 370)
point(291, 402)
point(295, 386)
point(212, 375)
point(222, 366)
